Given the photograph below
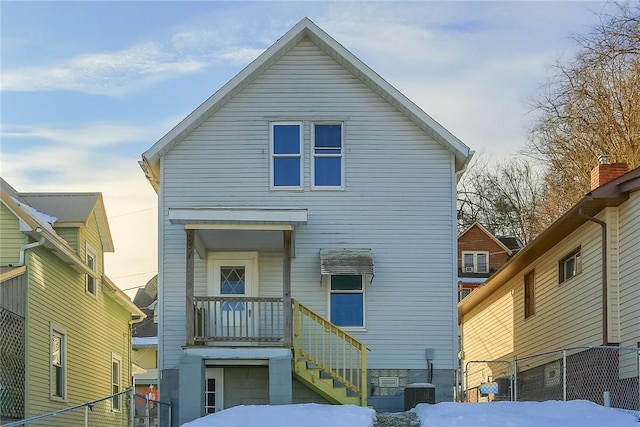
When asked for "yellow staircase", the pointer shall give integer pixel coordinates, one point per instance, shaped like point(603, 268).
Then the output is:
point(327, 359)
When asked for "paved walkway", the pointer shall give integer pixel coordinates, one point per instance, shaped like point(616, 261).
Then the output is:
point(397, 419)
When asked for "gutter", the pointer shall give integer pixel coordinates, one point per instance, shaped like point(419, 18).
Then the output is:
point(24, 248)
point(605, 302)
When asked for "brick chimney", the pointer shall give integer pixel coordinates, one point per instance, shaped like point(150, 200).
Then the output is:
point(606, 172)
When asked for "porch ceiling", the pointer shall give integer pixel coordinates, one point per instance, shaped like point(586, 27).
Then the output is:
point(238, 240)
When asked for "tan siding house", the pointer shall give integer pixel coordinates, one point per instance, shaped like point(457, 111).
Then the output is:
point(68, 322)
point(559, 291)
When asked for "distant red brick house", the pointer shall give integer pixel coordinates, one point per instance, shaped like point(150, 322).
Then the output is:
point(480, 254)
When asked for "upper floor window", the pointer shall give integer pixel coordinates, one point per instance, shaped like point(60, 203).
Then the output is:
point(529, 295)
point(92, 263)
point(569, 266)
point(286, 155)
point(475, 262)
point(328, 156)
point(58, 368)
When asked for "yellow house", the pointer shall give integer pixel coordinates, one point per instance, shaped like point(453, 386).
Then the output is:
point(65, 327)
point(575, 285)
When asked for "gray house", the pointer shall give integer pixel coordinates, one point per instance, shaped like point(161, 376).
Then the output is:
point(307, 246)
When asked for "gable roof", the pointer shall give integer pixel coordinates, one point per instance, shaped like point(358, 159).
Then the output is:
point(611, 194)
point(70, 210)
point(305, 28)
point(34, 223)
point(497, 240)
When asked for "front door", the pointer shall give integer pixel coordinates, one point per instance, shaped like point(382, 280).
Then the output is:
point(234, 274)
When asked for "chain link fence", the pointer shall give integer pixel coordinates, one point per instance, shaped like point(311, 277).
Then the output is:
point(604, 375)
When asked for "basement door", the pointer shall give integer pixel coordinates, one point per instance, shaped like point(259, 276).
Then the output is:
point(234, 274)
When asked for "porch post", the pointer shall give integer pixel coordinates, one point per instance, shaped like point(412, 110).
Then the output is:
point(286, 290)
point(189, 287)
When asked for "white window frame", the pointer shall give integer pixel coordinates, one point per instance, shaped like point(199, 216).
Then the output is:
point(90, 252)
point(327, 277)
point(273, 156)
point(57, 330)
point(313, 156)
point(116, 401)
point(475, 261)
point(576, 256)
point(218, 375)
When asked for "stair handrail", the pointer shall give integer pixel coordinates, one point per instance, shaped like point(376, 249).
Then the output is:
point(331, 366)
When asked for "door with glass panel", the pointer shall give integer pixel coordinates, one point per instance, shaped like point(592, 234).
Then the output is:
point(233, 278)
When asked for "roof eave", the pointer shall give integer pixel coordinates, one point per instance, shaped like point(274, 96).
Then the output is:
point(555, 233)
point(306, 27)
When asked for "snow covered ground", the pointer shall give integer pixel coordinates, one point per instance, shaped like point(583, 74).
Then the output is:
point(575, 413)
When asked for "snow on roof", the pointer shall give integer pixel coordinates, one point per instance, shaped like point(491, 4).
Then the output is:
point(144, 341)
point(46, 220)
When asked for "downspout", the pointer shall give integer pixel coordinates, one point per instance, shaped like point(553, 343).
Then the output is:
point(605, 302)
point(24, 248)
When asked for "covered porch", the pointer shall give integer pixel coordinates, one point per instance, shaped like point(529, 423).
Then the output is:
point(236, 311)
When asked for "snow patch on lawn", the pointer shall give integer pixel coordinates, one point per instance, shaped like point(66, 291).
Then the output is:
point(303, 415)
point(574, 413)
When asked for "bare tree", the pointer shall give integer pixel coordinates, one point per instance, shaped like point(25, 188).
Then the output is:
point(504, 197)
point(590, 106)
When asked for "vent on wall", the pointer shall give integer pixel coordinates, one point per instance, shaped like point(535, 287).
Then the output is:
point(388, 381)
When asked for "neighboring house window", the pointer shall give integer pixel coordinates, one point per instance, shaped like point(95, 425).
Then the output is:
point(462, 293)
point(346, 300)
point(529, 295)
point(475, 262)
point(286, 155)
point(569, 266)
point(92, 263)
point(328, 152)
point(116, 374)
point(58, 379)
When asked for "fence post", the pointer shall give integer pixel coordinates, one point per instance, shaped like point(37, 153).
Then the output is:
point(132, 408)
point(638, 373)
point(515, 378)
point(564, 375)
point(146, 411)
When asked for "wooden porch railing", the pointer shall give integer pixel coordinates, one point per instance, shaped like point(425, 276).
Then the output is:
point(331, 349)
point(234, 319)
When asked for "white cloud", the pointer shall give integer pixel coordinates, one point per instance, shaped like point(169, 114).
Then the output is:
point(88, 135)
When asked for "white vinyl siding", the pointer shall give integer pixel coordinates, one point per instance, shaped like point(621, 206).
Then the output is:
point(398, 201)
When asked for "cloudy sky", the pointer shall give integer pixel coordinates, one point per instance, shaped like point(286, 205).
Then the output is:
point(87, 87)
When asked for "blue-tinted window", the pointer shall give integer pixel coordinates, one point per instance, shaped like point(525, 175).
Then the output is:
point(286, 171)
point(327, 171)
point(286, 139)
point(327, 152)
point(347, 300)
point(287, 155)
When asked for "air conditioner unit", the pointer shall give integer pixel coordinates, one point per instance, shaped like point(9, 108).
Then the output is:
point(468, 269)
